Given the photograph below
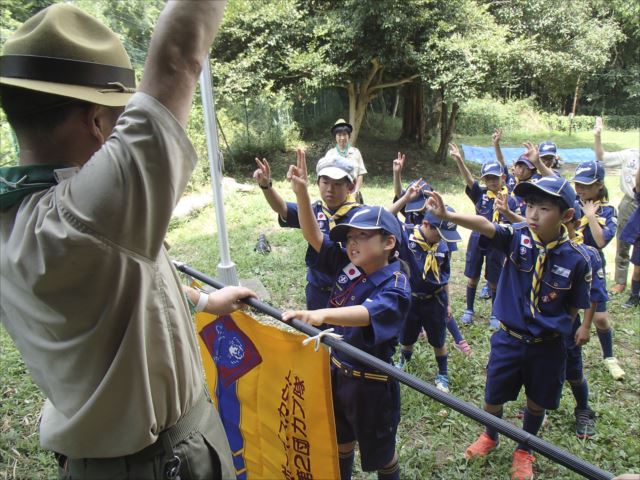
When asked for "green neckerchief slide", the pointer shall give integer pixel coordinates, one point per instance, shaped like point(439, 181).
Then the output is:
point(18, 182)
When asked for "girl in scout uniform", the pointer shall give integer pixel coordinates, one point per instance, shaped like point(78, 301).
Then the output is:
point(336, 184)
point(425, 248)
point(545, 281)
point(483, 199)
point(598, 226)
point(368, 304)
point(631, 235)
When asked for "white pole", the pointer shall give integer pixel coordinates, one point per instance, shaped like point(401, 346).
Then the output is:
point(227, 273)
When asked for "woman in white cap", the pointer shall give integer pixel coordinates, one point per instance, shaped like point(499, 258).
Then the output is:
point(341, 132)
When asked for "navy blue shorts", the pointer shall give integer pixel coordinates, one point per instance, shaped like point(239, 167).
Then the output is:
point(368, 412)
point(635, 255)
point(574, 369)
point(475, 258)
point(430, 314)
point(601, 307)
point(317, 297)
point(539, 367)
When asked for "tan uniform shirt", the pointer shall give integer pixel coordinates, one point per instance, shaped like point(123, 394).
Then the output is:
point(91, 299)
point(353, 155)
point(629, 161)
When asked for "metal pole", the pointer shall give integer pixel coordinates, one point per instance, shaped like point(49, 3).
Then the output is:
point(227, 272)
point(549, 450)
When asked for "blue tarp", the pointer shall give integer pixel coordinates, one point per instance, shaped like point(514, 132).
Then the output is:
point(485, 154)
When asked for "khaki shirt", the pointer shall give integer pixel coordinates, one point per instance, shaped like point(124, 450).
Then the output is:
point(91, 299)
point(353, 155)
point(628, 160)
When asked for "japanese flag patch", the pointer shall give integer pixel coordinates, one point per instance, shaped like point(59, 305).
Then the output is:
point(351, 271)
point(526, 241)
point(321, 216)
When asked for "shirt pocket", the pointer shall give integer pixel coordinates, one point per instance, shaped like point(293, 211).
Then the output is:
point(553, 289)
point(523, 263)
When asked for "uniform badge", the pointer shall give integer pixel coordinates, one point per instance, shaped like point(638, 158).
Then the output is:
point(321, 216)
point(351, 271)
point(600, 273)
point(545, 299)
point(588, 277)
point(563, 272)
point(343, 279)
point(412, 245)
point(523, 250)
point(321, 224)
point(553, 296)
point(526, 241)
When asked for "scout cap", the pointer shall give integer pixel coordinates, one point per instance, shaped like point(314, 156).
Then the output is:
point(547, 149)
point(368, 218)
point(524, 159)
point(589, 172)
point(555, 186)
point(335, 167)
point(447, 230)
point(341, 122)
point(577, 211)
point(491, 168)
point(418, 204)
point(64, 51)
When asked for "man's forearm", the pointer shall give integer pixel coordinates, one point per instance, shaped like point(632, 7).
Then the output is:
point(597, 144)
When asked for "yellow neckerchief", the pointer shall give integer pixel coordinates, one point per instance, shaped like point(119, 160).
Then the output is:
point(430, 262)
point(538, 271)
point(584, 221)
point(332, 218)
point(578, 238)
point(492, 196)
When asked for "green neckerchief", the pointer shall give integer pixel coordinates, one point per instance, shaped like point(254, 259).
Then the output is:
point(18, 182)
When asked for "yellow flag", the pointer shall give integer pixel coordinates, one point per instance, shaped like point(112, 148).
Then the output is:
point(274, 398)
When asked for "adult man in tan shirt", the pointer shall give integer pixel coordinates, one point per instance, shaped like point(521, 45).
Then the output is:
point(88, 292)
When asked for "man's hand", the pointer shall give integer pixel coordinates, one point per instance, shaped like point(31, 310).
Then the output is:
point(398, 163)
point(582, 336)
point(312, 317)
point(597, 129)
point(455, 152)
point(263, 173)
point(497, 136)
point(297, 174)
point(227, 300)
point(435, 205)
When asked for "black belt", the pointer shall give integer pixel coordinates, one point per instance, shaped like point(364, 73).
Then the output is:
point(348, 371)
point(525, 338)
point(426, 296)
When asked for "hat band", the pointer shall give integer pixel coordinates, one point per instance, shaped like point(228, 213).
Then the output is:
point(63, 70)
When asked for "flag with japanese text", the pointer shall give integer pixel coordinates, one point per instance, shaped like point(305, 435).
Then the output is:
point(274, 398)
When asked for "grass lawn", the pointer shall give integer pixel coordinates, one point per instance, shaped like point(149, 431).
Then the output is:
point(431, 439)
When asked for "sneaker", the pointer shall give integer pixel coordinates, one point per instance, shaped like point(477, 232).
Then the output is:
point(494, 323)
point(463, 347)
point(485, 293)
point(585, 423)
point(442, 383)
point(634, 301)
point(402, 363)
point(617, 288)
point(481, 447)
point(522, 466)
point(467, 317)
point(614, 368)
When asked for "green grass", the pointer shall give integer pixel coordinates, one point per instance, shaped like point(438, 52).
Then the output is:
point(431, 438)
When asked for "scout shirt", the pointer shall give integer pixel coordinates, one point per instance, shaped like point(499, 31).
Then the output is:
point(598, 291)
point(90, 296)
point(412, 253)
point(608, 220)
point(484, 204)
point(566, 281)
point(324, 219)
point(385, 293)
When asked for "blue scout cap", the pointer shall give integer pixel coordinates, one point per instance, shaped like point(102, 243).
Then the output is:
point(589, 172)
point(524, 159)
point(547, 149)
point(491, 168)
point(447, 230)
point(554, 186)
point(368, 218)
point(419, 203)
point(335, 167)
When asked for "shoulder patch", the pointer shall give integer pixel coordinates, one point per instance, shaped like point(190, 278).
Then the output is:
point(588, 277)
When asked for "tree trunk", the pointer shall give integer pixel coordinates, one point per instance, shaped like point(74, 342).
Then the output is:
point(446, 130)
point(396, 103)
point(413, 118)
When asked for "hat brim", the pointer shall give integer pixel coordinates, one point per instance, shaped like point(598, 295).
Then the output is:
point(417, 205)
point(449, 235)
point(340, 125)
point(584, 180)
point(108, 98)
point(527, 188)
point(492, 174)
point(334, 173)
point(339, 232)
point(529, 165)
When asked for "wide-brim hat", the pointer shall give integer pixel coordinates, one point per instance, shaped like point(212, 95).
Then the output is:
point(341, 122)
point(64, 51)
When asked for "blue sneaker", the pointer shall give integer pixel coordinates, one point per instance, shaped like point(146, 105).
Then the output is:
point(467, 317)
point(494, 323)
point(442, 383)
point(485, 293)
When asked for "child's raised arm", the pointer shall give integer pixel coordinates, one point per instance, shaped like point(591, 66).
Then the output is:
point(532, 153)
point(398, 165)
point(464, 171)
point(473, 222)
point(262, 176)
point(297, 175)
point(495, 138)
point(409, 195)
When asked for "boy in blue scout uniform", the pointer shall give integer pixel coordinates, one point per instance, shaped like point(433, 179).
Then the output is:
point(545, 281)
point(425, 247)
point(484, 202)
point(598, 226)
point(631, 234)
point(548, 152)
point(585, 417)
point(368, 304)
point(336, 183)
